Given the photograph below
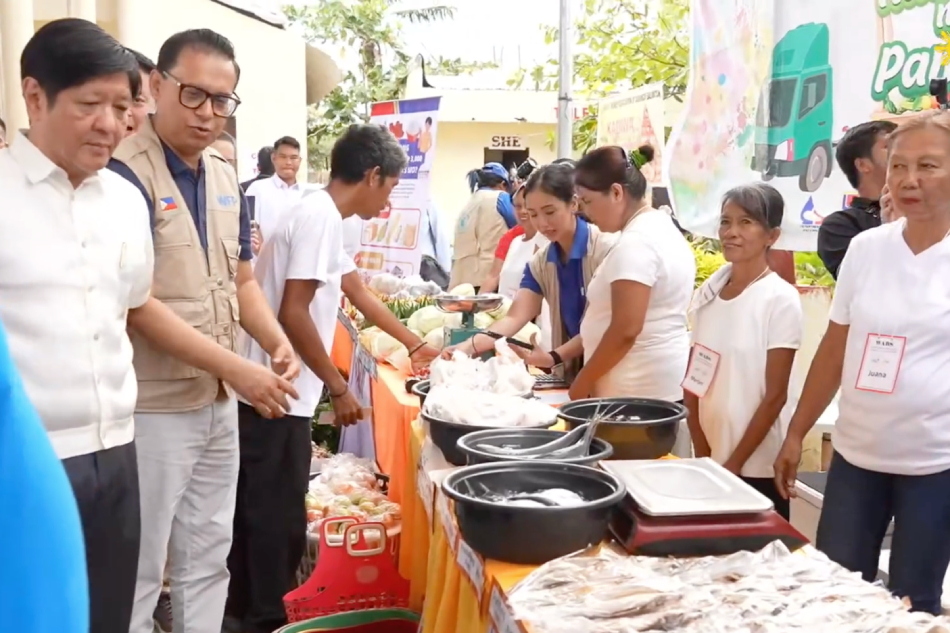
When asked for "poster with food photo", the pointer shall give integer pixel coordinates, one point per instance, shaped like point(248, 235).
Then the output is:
point(392, 242)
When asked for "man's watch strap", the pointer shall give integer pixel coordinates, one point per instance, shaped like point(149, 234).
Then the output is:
point(558, 361)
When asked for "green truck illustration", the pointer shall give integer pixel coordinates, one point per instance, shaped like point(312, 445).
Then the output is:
point(793, 133)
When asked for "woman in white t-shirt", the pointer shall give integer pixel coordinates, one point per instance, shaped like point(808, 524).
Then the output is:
point(747, 325)
point(634, 332)
point(887, 348)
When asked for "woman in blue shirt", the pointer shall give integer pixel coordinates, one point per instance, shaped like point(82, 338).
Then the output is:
point(559, 272)
point(43, 583)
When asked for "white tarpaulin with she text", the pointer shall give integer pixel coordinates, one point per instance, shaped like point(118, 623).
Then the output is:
point(773, 87)
point(392, 243)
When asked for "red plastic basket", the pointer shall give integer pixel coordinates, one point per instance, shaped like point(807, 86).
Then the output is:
point(356, 575)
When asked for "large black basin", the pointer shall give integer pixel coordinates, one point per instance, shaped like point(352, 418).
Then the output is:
point(652, 437)
point(531, 535)
point(446, 435)
point(524, 438)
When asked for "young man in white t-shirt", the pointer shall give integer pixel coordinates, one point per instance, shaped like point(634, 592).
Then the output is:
point(303, 270)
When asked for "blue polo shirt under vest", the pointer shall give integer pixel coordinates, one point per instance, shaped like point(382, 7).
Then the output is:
point(506, 209)
point(191, 184)
point(570, 279)
point(43, 582)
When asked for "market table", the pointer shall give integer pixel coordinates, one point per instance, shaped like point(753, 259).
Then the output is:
point(393, 408)
point(343, 345)
point(452, 585)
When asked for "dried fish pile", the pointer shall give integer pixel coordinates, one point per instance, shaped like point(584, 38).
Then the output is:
point(770, 591)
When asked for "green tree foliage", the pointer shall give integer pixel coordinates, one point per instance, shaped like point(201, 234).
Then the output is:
point(619, 45)
point(370, 28)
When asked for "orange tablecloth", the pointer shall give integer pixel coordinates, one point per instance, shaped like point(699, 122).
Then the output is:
point(342, 352)
point(393, 413)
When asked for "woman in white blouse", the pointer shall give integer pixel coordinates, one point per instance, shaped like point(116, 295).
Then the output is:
point(887, 348)
point(634, 331)
point(747, 325)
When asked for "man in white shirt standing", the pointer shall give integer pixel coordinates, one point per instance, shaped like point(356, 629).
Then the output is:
point(302, 270)
point(76, 270)
point(275, 195)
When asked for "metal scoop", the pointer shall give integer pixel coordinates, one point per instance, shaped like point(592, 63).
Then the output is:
point(574, 443)
point(565, 440)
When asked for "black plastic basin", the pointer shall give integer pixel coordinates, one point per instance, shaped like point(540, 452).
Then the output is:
point(524, 438)
point(652, 437)
point(421, 389)
point(531, 536)
point(445, 435)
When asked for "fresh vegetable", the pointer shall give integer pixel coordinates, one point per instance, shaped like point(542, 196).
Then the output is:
point(525, 333)
point(436, 338)
point(483, 320)
point(383, 346)
point(501, 311)
point(463, 290)
point(426, 319)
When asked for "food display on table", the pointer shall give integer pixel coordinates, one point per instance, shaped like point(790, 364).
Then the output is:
point(412, 287)
point(482, 447)
point(319, 452)
point(348, 487)
point(505, 373)
point(637, 428)
point(529, 513)
point(464, 395)
point(769, 591)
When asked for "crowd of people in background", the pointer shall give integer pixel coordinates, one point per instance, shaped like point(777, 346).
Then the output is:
point(140, 280)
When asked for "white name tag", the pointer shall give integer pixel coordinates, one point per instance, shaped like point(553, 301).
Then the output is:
point(881, 363)
point(703, 363)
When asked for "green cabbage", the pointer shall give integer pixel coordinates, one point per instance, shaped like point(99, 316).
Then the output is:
point(436, 338)
point(426, 319)
point(524, 335)
point(464, 290)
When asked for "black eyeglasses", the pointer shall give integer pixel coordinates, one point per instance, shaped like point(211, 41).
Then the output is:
point(193, 97)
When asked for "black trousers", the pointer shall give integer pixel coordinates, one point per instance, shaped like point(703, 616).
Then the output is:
point(106, 486)
point(766, 485)
point(270, 520)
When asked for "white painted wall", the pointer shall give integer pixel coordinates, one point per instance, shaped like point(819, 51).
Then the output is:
point(273, 87)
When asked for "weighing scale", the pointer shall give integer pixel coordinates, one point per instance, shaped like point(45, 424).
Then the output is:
point(468, 307)
point(693, 507)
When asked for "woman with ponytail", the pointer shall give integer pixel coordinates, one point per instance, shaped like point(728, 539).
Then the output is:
point(481, 224)
point(635, 339)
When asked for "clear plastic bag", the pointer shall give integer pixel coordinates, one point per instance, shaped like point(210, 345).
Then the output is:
point(505, 373)
point(770, 591)
point(462, 405)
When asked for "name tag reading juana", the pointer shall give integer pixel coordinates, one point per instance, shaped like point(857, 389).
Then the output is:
point(703, 363)
point(881, 363)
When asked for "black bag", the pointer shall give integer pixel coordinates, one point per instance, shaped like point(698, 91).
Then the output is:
point(429, 268)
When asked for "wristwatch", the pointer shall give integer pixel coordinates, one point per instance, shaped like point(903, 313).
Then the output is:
point(558, 361)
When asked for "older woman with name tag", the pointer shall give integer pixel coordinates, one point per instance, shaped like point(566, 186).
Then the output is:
point(747, 325)
point(887, 349)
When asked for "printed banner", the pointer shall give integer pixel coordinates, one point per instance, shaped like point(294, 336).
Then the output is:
point(392, 242)
point(633, 119)
point(774, 86)
point(359, 439)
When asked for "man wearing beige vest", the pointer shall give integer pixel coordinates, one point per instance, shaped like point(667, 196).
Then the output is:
point(186, 419)
point(481, 224)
